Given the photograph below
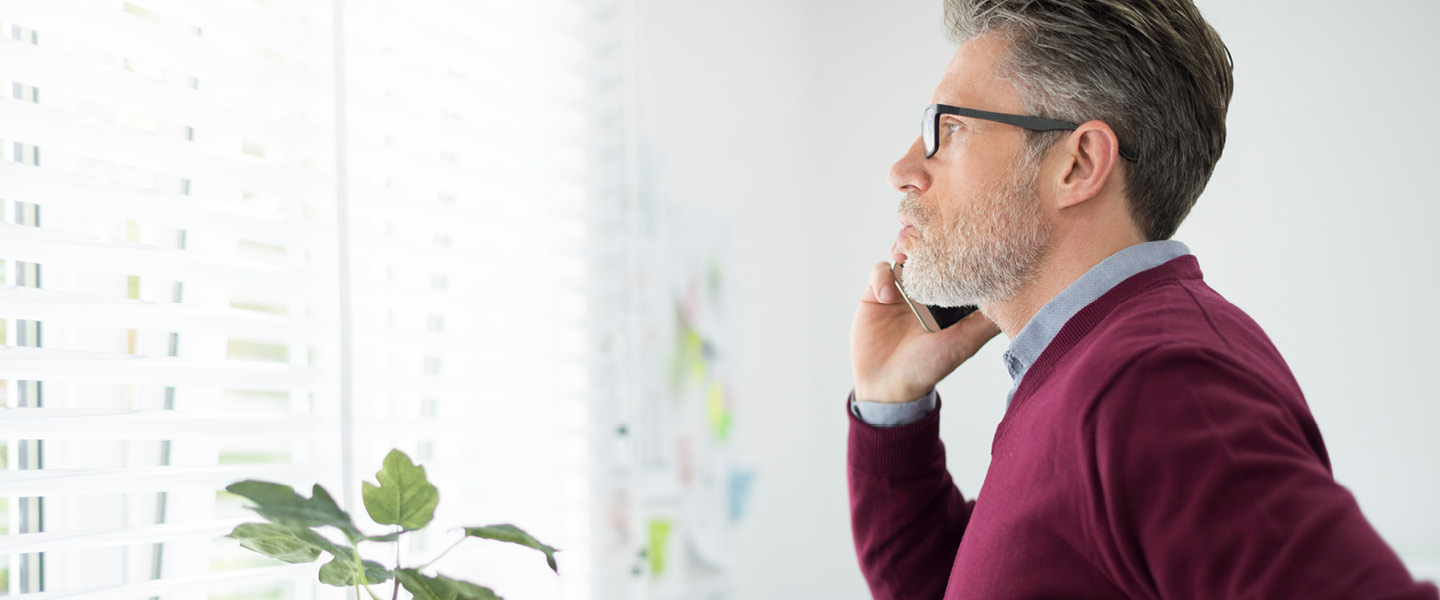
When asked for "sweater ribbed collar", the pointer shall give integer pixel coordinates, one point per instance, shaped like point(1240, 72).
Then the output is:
point(1047, 322)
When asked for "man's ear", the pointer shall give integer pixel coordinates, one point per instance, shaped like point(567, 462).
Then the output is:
point(1090, 156)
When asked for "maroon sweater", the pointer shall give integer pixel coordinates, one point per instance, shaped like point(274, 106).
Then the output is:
point(1158, 448)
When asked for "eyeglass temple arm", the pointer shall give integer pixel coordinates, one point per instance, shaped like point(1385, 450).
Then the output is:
point(1026, 122)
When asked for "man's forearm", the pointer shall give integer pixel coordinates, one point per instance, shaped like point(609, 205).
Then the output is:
point(905, 512)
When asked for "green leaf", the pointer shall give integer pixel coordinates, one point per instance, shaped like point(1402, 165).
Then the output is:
point(276, 541)
point(440, 587)
point(280, 504)
point(404, 497)
point(314, 538)
point(513, 534)
point(341, 572)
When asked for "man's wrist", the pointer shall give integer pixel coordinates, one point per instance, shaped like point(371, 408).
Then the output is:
point(894, 414)
point(896, 396)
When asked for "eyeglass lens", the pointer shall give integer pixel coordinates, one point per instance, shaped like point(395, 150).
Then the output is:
point(927, 130)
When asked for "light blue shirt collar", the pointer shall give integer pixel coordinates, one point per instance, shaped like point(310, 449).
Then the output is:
point(1042, 328)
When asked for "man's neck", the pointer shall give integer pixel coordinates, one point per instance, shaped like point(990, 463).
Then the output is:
point(1065, 261)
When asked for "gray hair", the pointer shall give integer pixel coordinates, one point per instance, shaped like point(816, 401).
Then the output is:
point(1153, 70)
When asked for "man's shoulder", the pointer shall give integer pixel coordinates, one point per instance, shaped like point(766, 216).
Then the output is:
point(1174, 336)
point(1176, 321)
point(1163, 327)
point(1183, 315)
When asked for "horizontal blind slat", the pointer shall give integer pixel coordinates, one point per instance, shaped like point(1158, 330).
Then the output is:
point(128, 35)
point(46, 126)
point(247, 578)
point(100, 424)
point(59, 189)
point(69, 482)
point(270, 25)
point(45, 364)
point(33, 244)
point(55, 541)
point(51, 72)
point(38, 304)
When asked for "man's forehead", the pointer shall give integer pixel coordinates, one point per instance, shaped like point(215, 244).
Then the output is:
point(972, 78)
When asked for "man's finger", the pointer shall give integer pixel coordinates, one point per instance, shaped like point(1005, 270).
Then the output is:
point(881, 288)
point(969, 334)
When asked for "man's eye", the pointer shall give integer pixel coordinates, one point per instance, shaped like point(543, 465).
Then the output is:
point(951, 126)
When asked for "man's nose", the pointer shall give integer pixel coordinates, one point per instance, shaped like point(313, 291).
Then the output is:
point(908, 174)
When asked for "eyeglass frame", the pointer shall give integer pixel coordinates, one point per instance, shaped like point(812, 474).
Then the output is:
point(930, 126)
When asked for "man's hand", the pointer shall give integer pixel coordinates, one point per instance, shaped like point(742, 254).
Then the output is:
point(894, 358)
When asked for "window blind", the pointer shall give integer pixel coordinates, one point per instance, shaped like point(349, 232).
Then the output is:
point(468, 202)
point(164, 193)
point(181, 181)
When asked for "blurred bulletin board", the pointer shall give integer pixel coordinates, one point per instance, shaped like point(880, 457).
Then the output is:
point(671, 487)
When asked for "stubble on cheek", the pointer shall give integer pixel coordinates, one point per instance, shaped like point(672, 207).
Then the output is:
point(985, 254)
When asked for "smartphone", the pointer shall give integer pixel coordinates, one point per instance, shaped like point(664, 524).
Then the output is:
point(932, 318)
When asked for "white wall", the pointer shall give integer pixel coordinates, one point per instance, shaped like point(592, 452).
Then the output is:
point(1320, 222)
point(785, 116)
point(727, 89)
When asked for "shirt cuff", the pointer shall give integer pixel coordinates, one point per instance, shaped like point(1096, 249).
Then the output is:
point(891, 414)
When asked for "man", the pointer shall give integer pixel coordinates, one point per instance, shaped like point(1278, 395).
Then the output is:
point(1155, 444)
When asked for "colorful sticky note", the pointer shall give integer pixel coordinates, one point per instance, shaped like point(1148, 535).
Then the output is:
point(739, 489)
point(659, 544)
point(716, 411)
point(695, 354)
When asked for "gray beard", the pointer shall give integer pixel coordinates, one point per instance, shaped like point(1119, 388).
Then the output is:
point(984, 256)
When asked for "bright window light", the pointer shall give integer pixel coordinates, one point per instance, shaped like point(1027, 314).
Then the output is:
point(181, 183)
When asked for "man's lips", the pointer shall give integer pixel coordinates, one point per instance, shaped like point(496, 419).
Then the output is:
point(897, 250)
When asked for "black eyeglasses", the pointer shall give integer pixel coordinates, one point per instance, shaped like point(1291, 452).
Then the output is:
point(931, 124)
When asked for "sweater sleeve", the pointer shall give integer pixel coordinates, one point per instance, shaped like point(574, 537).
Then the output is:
point(906, 514)
point(1216, 485)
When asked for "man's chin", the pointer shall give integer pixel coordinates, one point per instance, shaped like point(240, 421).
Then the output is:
point(941, 302)
point(929, 294)
point(927, 289)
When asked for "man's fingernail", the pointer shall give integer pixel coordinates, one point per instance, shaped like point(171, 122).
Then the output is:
point(887, 293)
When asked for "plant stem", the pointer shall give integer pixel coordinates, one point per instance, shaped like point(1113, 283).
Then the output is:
point(360, 572)
point(442, 554)
point(395, 595)
point(367, 590)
